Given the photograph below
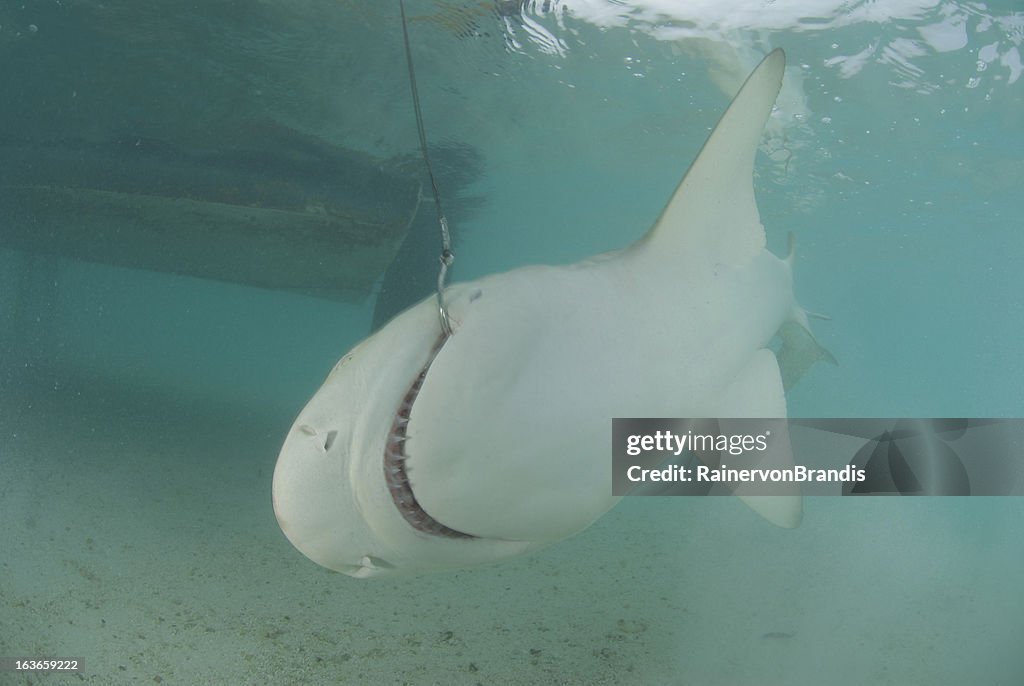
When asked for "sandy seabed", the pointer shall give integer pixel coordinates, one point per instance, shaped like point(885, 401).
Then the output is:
point(138, 534)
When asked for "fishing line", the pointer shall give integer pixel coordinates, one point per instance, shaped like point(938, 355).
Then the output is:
point(447, 256)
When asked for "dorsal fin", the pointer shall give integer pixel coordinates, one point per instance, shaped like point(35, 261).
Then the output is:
point(712, 214)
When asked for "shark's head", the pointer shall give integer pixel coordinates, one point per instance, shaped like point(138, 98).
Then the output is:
point(340, 488)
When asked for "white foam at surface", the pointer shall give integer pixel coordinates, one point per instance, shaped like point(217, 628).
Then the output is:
point(717, 16)
point(1011, 60)
point(947, 35)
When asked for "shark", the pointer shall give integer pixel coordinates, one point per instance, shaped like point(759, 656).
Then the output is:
point(432, 448)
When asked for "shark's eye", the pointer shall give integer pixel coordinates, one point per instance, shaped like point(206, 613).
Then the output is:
point(475, 295)
point(341, 363)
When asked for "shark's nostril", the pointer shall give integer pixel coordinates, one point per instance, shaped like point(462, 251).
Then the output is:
point(329, 441)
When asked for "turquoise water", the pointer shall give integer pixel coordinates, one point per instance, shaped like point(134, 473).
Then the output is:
point(142, 412)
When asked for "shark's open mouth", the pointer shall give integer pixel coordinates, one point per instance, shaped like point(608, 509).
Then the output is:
point(395, 472)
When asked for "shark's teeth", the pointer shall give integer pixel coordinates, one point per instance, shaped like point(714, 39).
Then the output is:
point(396, 469)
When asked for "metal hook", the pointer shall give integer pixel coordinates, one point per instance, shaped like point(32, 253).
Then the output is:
point(447, 256)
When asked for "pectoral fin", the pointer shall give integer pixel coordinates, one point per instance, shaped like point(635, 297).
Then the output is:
point(757, 393)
